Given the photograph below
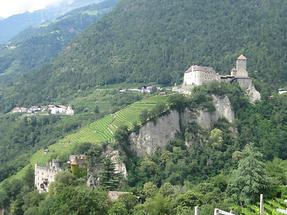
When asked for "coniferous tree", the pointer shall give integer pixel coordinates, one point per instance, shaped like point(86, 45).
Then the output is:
point(109, 178)
point(250, 178)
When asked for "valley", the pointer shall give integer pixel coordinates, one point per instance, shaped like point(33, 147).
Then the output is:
point(146, 107)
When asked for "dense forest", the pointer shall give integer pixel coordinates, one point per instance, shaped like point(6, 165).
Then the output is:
point(155, 41)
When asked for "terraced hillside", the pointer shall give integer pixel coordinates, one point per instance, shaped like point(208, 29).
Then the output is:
point(100, 131)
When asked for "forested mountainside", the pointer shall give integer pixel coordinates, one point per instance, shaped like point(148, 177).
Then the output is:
point(12, 25)
point(35, 46)
point(225, 166)
point(155, 41)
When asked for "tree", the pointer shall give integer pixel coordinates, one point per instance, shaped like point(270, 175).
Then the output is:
point(250, 178)
point(118, 208)
point(109, 178)
point(75, 200)
point(158, 205)
point(144, 116)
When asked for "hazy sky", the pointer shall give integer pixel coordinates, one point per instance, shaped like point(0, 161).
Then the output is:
point(11, 7)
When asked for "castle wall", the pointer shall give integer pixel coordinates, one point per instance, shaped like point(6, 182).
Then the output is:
point(44, 176)
point(199, 75)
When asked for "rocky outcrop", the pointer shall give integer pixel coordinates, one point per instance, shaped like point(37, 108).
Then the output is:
point(223, 110)
point(248, 87)
point(253, 94)
point(120, 166)
point(158, 133)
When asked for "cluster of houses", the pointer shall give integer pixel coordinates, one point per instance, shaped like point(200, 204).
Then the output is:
point(50, 109)
point(143, 89)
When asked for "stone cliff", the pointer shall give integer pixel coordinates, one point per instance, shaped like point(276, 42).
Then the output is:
point(157, 134)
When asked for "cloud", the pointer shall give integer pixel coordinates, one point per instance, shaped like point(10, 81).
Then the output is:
point(12, 7)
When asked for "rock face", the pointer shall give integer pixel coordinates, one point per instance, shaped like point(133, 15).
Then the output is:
point(120, 167)
point(253, 94)
point(158, 134)
point(248, 87)
point(223, 110)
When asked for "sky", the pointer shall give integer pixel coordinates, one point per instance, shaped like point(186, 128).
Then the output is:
point(12, 7)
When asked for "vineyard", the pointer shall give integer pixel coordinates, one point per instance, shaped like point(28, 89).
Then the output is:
point(100, 131)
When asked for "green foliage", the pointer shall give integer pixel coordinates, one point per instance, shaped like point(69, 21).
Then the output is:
point(108, 178)
point(250, 179)
point(137, 43)
point(118, 208)
point(75, 200)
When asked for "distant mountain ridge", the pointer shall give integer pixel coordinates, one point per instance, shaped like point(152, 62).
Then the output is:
point(37, 45)
point(11, 26)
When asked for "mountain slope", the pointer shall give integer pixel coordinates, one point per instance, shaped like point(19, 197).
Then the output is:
point(11, 26)
point(37, 45)
point(156, 40)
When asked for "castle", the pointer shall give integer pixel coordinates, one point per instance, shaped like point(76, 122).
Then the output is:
point(199, 75)
point(45, 175)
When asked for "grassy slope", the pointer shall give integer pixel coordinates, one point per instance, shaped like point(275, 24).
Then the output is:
point(100, 131)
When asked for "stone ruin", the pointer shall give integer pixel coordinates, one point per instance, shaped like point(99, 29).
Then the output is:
point(46, 175)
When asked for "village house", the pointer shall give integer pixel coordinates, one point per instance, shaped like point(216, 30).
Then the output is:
point(282, 91)
point(60, 109)
point(51, 109)
point(143, 89)
point(19, 110)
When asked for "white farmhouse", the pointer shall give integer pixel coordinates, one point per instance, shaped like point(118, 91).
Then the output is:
point(61, 110)
point(19, 110)
point(282, 91)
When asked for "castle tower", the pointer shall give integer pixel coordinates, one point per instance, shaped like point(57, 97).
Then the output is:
point(241, 65)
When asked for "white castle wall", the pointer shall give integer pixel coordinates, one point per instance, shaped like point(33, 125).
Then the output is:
point(198, 75)
point(45, 175)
